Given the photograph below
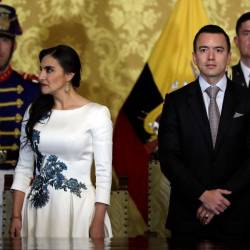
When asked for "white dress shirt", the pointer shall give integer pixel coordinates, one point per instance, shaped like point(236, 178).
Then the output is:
point(246, 72)
point(222, 84)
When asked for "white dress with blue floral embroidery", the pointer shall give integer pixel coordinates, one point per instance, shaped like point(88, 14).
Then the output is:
point(60, 200)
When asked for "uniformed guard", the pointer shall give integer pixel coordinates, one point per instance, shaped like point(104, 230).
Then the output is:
point(16, 93)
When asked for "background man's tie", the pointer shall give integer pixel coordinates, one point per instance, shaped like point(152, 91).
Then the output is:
point(213, 111)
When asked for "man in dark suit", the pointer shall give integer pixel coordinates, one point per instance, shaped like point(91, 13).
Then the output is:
point(208, 165)
point(241, 71)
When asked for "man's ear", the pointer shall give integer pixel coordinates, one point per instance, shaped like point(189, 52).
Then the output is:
point(229, 58)
point(236, 41)
point(194, 58)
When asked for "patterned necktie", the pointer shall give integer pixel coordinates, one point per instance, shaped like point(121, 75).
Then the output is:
point(213, 111)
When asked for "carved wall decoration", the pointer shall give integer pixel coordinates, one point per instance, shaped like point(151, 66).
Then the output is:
point(114, 39)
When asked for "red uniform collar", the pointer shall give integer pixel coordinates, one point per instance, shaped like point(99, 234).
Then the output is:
point(6, 74)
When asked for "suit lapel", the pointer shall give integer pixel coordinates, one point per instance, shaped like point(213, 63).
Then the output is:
point(238, 75)
point(226, 114)
point(198, 110)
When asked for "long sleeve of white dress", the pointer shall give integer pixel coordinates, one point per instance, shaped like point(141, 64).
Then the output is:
point(102, 145)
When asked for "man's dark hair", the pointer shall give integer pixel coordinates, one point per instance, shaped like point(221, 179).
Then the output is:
point(243, 18)
point(214, 29)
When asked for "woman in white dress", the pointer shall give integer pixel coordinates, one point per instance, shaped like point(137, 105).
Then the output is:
point(62, 134)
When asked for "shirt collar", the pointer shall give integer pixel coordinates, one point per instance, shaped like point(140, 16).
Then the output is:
point(246, 71)
point(222, 83)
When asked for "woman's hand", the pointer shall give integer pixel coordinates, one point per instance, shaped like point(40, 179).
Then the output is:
point(16, 220)
point(15, 227)
point(96, 230)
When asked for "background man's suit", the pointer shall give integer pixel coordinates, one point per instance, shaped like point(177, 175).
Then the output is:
point(192, 165)
point(238, 76)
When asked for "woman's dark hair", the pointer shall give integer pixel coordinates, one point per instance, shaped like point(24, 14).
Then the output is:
point(70, 62)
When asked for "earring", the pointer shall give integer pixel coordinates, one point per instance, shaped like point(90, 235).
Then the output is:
point(67, 87)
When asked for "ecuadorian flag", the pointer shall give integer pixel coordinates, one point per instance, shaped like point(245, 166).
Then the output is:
point(168, 68)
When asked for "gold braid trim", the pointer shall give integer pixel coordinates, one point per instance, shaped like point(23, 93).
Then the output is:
point(17, 118)
point(15, 133)
point(17, 103)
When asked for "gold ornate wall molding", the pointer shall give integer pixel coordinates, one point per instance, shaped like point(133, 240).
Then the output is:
point(114, 38)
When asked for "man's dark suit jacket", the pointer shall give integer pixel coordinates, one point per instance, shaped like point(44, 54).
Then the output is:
point(192, 165)
point(238, 76)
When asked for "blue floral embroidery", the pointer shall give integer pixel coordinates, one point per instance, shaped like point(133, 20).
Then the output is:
point(50, 174)
point(39, 194)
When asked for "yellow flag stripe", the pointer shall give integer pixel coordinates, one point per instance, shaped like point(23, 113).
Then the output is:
point(171, 60)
